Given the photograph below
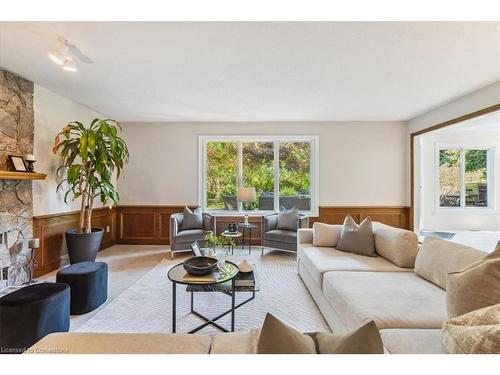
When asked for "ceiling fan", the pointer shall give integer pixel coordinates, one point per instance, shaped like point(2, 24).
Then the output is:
point(66, 53)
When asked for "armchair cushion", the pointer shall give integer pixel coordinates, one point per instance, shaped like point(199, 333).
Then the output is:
point(281, 235)
point(288, 220)
point(190, 235)
point(192, 219)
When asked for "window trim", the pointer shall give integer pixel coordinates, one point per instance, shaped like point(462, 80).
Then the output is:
point(489, 171)
point(314, 170)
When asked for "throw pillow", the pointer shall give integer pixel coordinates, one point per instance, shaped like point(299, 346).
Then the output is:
point(278, 338)
point(437, 257)
point(400, 246)
point(355, 238)
point(326, 235)
point(364, 340)
point(477, 332)
point(192, 219)
point(288, 220)
point(475, 286)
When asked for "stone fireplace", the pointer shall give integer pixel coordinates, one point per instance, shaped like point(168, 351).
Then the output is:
point(16, 200)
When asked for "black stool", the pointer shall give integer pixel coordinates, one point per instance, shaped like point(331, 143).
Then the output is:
point(30, 313)
point(89, 285)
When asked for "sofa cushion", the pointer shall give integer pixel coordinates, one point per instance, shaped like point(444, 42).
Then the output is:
point(325, 234)
point(356, 238)
point(400, 246)
point(190, 235)
point(363, 340)
point(391, 299)
point(475, 286)
point(477, 332)
point(278, 338)
point(235, 342)
point(438, 257)
point(281, 235)
point(412, 341)
point(192, 219)
point(288, 220)
point(121, 343)
point(319, 260)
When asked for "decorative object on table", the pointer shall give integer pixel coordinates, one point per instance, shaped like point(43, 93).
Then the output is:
point(245, 267)
point(281, 239)
point(246, 195)
point(93, 154)
point(17, 163)
point(30, 265)
point(30, 161)
point(232, 228)
point(181, 240)
point(88, 282)
point(200, 266)
point(196, 249)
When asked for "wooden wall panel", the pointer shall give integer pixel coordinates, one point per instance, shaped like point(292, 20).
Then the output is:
point(146, 225)
point(396, 216)
point(52, 253)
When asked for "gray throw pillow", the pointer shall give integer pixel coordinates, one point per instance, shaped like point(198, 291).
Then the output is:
point(192, 219)
point(357, 239)
point(288, 220)
point(278, 338)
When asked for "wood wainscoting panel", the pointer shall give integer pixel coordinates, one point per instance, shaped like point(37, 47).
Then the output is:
point(145, 225)
point(52, 253)
point(396, 216)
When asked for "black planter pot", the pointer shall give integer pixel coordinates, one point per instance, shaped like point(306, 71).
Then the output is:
point(83, 247)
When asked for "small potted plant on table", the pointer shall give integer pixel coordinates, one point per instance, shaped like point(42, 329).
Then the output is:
point(91, 157)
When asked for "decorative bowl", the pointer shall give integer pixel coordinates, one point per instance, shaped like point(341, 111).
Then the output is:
point(200, 266)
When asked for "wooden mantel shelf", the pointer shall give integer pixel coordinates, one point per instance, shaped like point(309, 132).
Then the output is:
point(11, 175)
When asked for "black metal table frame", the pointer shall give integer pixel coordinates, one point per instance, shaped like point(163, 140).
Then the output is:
point(210, 321)
point(249, 241)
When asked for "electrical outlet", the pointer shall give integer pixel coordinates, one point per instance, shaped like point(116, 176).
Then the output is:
point(108, 229)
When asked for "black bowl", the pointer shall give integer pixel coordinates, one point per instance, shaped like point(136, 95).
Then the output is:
point(200, 266)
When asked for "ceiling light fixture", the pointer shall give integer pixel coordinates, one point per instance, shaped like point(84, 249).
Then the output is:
point(69, 65)
point(59, 54)
point(62, 56)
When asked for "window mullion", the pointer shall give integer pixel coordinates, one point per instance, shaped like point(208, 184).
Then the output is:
point(239, 181)
point(276, 160)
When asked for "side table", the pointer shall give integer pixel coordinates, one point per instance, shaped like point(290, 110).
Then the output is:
point(246, 229)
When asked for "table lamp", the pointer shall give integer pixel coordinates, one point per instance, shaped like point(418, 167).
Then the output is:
point(246, 195)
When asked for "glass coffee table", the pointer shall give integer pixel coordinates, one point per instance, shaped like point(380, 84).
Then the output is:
point(228, 283)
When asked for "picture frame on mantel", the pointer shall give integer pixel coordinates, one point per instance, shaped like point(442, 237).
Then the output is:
point(17, 163)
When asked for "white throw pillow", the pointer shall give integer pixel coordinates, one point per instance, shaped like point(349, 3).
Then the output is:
point(326, 235)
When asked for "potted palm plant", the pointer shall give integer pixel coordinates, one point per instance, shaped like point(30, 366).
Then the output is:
point(91, 157)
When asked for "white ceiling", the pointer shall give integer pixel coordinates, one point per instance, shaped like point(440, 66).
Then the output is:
point(261, 71)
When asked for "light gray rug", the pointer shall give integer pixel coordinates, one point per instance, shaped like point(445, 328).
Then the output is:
point(147, 305)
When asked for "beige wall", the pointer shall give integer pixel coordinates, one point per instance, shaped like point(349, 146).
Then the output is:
point(52, 113)
point(361, 163)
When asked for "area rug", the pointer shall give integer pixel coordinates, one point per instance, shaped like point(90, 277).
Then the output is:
point(147, 305)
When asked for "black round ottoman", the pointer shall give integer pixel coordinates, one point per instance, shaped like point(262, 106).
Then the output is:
point(30, 313)
point(89, 285)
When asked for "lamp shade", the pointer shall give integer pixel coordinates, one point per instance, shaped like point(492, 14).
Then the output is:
point(246, 194)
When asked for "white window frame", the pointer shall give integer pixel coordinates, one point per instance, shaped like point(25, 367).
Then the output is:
point(276, 139)
point(489, 171)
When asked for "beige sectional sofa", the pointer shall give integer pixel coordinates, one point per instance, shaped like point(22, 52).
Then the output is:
point(352, 289)
point(349, 290)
